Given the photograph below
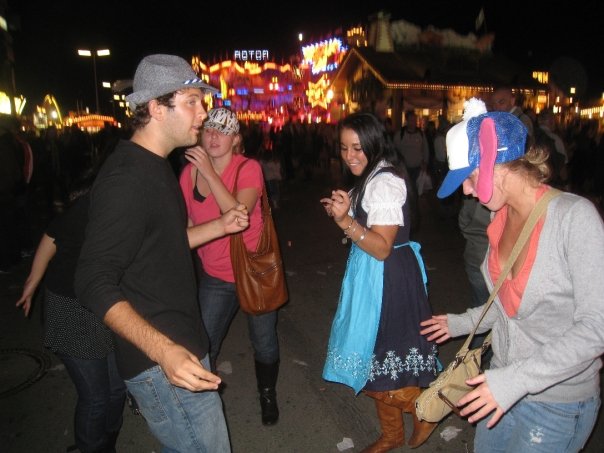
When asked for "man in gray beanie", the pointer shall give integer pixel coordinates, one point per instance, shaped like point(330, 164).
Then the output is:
point(136, 271)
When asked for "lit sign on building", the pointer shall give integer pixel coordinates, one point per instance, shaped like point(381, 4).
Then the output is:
point(324, 56)
point(5, 105)
point(318, 93)
point(356, 37)
point(250, 55)
point(541, 77)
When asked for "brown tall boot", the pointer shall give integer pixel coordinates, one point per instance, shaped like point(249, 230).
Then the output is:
point(404, 398)
point(391, 422)
point(421, 431)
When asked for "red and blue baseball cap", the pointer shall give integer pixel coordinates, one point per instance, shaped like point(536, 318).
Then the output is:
point(481, 140)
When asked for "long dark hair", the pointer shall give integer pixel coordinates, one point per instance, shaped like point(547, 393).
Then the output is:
point(376, 147)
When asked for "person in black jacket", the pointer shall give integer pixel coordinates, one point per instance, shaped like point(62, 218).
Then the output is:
point(73, 333)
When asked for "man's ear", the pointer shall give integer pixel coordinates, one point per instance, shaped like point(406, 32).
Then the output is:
point(156, 110)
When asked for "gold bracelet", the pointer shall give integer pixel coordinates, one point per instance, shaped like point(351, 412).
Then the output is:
point(352, 232)
point(362, 236)
point(348, 227)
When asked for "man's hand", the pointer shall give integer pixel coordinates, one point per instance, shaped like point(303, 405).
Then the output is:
point(183, 369)
point(235, 219)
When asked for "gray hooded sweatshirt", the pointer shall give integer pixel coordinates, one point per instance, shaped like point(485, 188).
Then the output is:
point(550, 350)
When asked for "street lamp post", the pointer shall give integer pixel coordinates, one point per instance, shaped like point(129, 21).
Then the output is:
point(94, 54)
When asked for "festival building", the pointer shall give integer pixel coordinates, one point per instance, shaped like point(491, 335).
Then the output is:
point(384, 66)
point(388, 67)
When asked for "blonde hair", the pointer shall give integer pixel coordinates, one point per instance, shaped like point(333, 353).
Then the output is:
point(238, 146)
point(534, 164)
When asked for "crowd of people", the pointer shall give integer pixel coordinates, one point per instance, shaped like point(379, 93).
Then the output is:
point(39, 173)
point(139, 290)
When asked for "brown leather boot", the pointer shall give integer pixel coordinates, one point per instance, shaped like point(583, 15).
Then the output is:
point(391, 422)
point(404, 398)
point(421, 432)
point(421, 429)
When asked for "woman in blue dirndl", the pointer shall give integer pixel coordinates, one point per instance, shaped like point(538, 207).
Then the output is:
point(375, 345)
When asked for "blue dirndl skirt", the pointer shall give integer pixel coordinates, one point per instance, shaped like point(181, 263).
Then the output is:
point(352, 341)
point(355, 325)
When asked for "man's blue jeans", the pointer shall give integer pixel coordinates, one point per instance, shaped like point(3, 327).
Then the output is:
point(100, 405)
point(539, 427)
point(218, 302)
point(183, 421)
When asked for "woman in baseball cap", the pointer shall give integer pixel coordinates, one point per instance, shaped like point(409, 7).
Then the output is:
point(541, 392)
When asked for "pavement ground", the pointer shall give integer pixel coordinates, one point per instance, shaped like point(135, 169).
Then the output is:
point(37, 397)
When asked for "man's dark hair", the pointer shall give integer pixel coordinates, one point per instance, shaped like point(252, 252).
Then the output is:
point(141, 116)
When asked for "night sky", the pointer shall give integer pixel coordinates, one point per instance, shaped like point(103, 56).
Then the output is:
point(50, 32)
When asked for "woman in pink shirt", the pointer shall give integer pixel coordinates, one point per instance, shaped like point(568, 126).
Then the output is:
point(207, 183)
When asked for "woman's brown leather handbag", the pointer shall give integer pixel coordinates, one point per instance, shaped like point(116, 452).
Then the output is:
point(259, 275)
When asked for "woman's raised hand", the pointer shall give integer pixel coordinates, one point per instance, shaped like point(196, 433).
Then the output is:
point(200, 159)
point(338, 205)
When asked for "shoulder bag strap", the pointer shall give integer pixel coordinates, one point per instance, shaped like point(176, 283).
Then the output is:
point(234, 190)
point(532, 220)
point(266, 207)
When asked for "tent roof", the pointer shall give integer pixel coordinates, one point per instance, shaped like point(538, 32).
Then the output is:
point(439, 67)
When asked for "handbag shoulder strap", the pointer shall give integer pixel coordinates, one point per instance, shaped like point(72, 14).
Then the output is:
point(234, 189)
point(529, 225)
point(266, 207)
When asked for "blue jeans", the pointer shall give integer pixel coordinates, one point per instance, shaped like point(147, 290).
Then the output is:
point(218, 302)
point(183, 421)
point(539, 427)
point(100, 404)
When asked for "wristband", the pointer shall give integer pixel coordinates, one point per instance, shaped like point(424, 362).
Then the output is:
point(348, 227)
point(362, 236)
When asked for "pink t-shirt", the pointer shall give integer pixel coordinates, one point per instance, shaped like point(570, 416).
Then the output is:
point(510, 293)
point(215, 255)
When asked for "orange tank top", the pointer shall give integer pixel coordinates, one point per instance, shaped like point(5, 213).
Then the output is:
point(510, 293)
